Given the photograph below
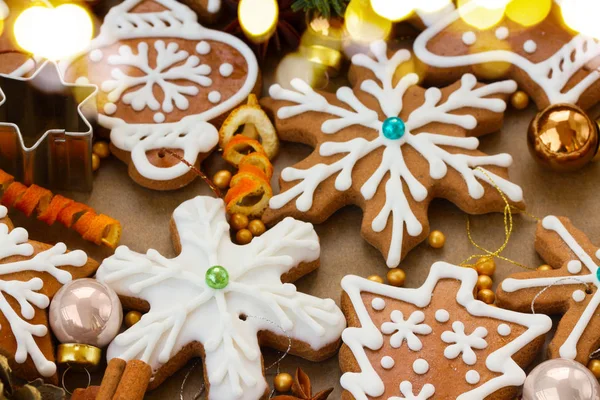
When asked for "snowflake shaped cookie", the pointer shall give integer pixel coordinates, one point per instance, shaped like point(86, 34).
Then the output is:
point(222, 301)
point(551, 63)
point(496, 343)
point(573, 291)
point(30, 274)
point(163, 80)
point(390, 147)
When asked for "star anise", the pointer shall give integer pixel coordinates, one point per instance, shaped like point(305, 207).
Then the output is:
point(302, 390)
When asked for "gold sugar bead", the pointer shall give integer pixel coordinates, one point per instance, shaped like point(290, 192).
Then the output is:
point(243, 236)
point(486, 266)
point(594, 366)
point(222, 178)
point(487, 296)
point(95, 162)
point(283, 382)
point(437, 239)
point(519, 100)
point(102, 149)
point(238, 221)
point(257, 227)
point(396, 277)
point(544, 267)
point(484, 282)
point(132, 318)
point(375, 278)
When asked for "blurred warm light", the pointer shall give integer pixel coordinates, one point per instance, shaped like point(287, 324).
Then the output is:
point(296, 65)
point(482, 14)
point(363, 24)
point(54, 33)
point(493, 70)
point(528, 12)
point(401, 9)
point(581, 16)
point(258, 19)
point(430, 6)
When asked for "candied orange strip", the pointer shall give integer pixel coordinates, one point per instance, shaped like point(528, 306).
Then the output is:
point(5, 179)
point(69, 215)
point(57, 204)
point(260, 161)
point(238, 147)
point(103, 230)
point(33, 197)
point(249, 194)
point(13, 194)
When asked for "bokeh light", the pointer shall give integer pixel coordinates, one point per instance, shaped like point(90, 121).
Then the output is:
point(258, 19)
point(398, 10)
point(54, 33)
point(482, 14)
point(363, 24)
point(582, 16)
point(430, 6)
point(528, 12)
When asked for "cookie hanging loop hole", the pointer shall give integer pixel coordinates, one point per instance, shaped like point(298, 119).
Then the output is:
point(64, 386)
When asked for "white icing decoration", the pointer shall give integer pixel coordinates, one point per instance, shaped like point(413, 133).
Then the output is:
point(463, 343)
point(110, 108)
point(96, 55)
point(552, 74)
point(442, 315)
point(378, 304)
point(226, 70)
point(387, 362)
point(82, 80)
point(368, 384)
point(578, 296)
point(159, 118)
point(213, 6)
point(214, 97)
point(504, 330)
point(181, 302)
point(502, 33)
point(27, 293)
point(431, 146)
point(203, 48)
point(569, 347)
point(574, 267)
point(469, 38)
point(192, 133)
point(406, 389)
point(530, 46)
point(472, 377)
point(406, 330)
point(420, 366)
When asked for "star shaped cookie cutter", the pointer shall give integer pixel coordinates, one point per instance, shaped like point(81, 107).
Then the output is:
point(45, 134)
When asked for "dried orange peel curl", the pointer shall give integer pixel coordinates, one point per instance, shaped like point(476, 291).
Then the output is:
point(260, 161)
point(256, 125)
point(97, 228)
point(250, 192)
point(240, 146)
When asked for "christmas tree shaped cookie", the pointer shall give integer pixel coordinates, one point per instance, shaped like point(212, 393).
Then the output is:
point(390, 147)
point(436, 341)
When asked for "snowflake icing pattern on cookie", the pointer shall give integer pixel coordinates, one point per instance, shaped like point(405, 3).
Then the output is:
point(563, 77)
point(30, 293)
point(232, 292)
point(494, 367)
point(156, 69)
point(580, 272)
point(389, 139)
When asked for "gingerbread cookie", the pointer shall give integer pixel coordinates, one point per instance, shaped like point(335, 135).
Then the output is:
point(13, 60)
point(548, 61)
point(434, 342)
point(31, 273)
point(390, 147)
point(570, 289)
point(163, 78)
point(221, 301)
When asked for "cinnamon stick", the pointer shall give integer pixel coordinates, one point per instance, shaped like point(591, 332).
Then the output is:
point(110, 381)
point(134, 381)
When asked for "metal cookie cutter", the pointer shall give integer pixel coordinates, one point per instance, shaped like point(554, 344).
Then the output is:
point(45, 135)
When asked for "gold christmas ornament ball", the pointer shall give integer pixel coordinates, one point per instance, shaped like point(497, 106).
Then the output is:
point(436, 239)
point(101, 149)
point(396, 277)
point(132, 318)
point(519, 100)
point(243, 236)
point(222, 178)
point(238, 221)
point(487, 296)
point(283, 382)
point(594, 367)
point(95, 162)
point(544, 267)
point(486, 266)
point(484, 282)
point(375, 278)
point(256, 227)
point(563, 138)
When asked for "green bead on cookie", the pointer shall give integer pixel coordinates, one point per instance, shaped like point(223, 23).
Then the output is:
point(217, 277)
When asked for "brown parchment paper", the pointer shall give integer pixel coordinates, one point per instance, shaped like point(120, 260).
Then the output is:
point(145, 217)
